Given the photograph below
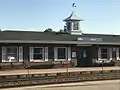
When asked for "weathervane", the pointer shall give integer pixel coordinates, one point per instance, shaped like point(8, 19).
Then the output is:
point(73, 6)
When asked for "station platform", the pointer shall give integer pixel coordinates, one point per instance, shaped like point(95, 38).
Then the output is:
point(58, 70)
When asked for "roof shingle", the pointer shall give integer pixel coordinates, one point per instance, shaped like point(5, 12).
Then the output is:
point(30, 35)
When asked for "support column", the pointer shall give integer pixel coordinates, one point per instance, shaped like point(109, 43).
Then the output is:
point(20, 54)
point(0, 53)
point(99, 53)
point(71, 26)
point(31, 53)
point(117, 53)
point(3, 54)
point(69, 53)
point(55, 54)
point(46, 53)
point(110, 53)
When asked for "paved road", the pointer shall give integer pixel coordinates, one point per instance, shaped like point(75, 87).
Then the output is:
point(94, 85)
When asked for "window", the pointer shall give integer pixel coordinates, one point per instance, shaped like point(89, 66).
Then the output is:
point(61, 53)
point(75, 26)
point(38, 53)
point(69, 26)
point(104, 53)
point(11, 53)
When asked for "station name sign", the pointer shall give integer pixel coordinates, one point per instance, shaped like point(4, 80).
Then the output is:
point(89, 39)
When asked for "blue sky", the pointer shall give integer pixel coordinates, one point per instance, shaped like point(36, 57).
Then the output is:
point(100, 16)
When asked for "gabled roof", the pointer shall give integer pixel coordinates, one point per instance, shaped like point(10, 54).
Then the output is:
point(34, 35)
point(73, 16)
point(41, 37)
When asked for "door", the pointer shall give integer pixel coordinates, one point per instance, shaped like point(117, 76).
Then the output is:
point(83, 56)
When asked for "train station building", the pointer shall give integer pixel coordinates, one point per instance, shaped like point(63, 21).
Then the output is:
point(72, 47)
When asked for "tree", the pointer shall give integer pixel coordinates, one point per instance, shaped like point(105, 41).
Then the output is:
point(48, 30)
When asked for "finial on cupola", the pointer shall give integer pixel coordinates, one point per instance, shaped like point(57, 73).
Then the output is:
point(73, 6)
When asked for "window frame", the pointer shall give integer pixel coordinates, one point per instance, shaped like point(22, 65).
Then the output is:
point(105, 53)
point(75, 25)
point(56, 56)
point(6, 54)
point(100, 53)
point(43, 54)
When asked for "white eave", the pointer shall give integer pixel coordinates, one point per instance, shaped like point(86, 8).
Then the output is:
point(73, 16)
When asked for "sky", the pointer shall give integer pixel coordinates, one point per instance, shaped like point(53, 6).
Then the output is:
point(100, 16)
